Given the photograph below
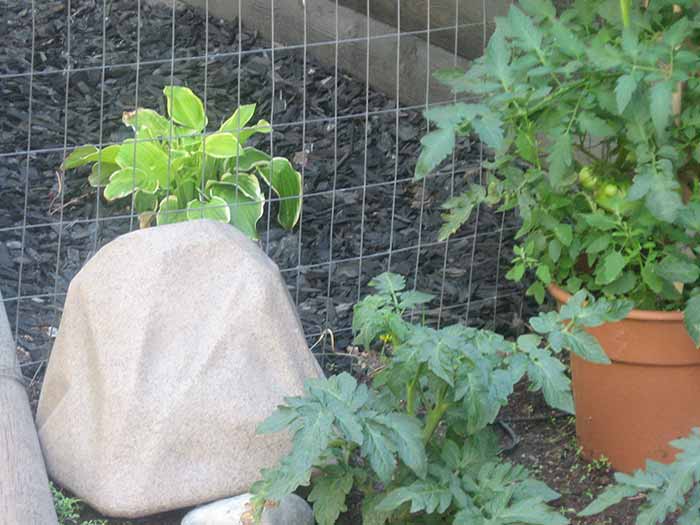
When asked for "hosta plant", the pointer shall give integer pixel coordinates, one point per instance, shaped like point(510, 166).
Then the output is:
point(593, 118)
point(175, 170)
point(416, 445)
point(667, 489)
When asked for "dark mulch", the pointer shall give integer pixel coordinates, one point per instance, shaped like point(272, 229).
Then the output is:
point(376, 219)
point(345, 236)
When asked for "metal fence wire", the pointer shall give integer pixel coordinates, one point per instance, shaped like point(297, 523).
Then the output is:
point(343, 84)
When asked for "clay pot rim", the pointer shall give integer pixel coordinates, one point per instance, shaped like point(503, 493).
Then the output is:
point(676, 316)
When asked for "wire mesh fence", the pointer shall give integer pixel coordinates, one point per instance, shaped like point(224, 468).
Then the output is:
point(343, 84)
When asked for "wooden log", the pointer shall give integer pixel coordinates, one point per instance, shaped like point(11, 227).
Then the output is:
point(25, 498)
point(417, 60)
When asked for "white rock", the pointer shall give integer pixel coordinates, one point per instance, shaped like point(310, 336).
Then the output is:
point(292, 510)
point(176, 342)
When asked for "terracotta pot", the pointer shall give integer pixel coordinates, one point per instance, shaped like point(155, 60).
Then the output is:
point(629, 410)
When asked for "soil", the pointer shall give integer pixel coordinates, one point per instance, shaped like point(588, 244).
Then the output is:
point(362, 213)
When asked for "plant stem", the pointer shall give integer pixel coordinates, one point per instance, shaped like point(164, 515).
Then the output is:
point(433, 420)
point(435, 414)
point(625, 12)
point(412, 392)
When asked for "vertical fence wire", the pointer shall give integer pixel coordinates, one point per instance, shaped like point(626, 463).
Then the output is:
point(342, 117)
point(23, 228)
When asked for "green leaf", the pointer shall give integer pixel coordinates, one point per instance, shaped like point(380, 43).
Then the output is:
point(531, 512)
point(145, 202)
point(677, 270)
point(245, 210)
point(586, 346)
point(221, 146)
point(489, 129)
point(427, 496)
point(147, 156)
point(245, 182)
point(598, 244)
point(329, 493)
point(388, 283)
point(660, 106)
point(516, 272)
point(611, 496)
point(250, 158)
point(610, 269)
point(564, 233)
point(567, 40)
point(691, 318)
point(185, 108)
point(126, 181)
point(524, 29)
point(534, 488)
point(548, 374)
point(650, 277)
point(682, 475)
point(595, 126)
point(540, 8)
point(370, 514)
point(216, 209)
point(100, 174)
point(148, 123)
point(414, 298)
point(660, 188)
point(279, 420)
point(498, 55)
point(408, 437)
point(170, 211)
point(560, 159)
point(285, 181)
point(239, 119)
point(537, 291)
point(459, 210)
point(263, 126)
point(79, 157)
point(436, 146)
point(602, 311)
point(543, 274)
point(554, 250)
point(450, 116)
point(600, 221)
point(379, 449)
point(624, 89)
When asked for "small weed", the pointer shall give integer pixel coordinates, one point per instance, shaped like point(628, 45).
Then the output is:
point(601, 464)
point(68, 509)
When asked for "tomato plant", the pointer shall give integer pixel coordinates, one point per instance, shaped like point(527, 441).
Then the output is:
point(593, 117)
point(417, 444)
point(174, 170)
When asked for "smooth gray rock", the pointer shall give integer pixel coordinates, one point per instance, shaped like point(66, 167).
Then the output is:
point(176, 342)
point(292, 510)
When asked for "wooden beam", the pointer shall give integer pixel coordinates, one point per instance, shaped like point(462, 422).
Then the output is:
point(417, 60)
point(474, 18)
point(25, 498)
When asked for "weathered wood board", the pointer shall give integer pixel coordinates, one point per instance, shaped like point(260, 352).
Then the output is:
point(25, 498)
point(284, 22)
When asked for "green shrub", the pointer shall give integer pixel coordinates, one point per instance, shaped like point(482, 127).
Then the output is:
point(594, 120)
point(176, 171)
point(417, 444)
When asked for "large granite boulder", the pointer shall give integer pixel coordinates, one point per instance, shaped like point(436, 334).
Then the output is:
point(175, 343)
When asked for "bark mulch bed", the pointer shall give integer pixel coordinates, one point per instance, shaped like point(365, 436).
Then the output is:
point(362, 213)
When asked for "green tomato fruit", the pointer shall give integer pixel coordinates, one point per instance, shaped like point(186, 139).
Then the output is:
point(610, 190)
point(586, 177)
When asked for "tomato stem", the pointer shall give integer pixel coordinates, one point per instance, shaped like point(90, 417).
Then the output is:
point(625, 11)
